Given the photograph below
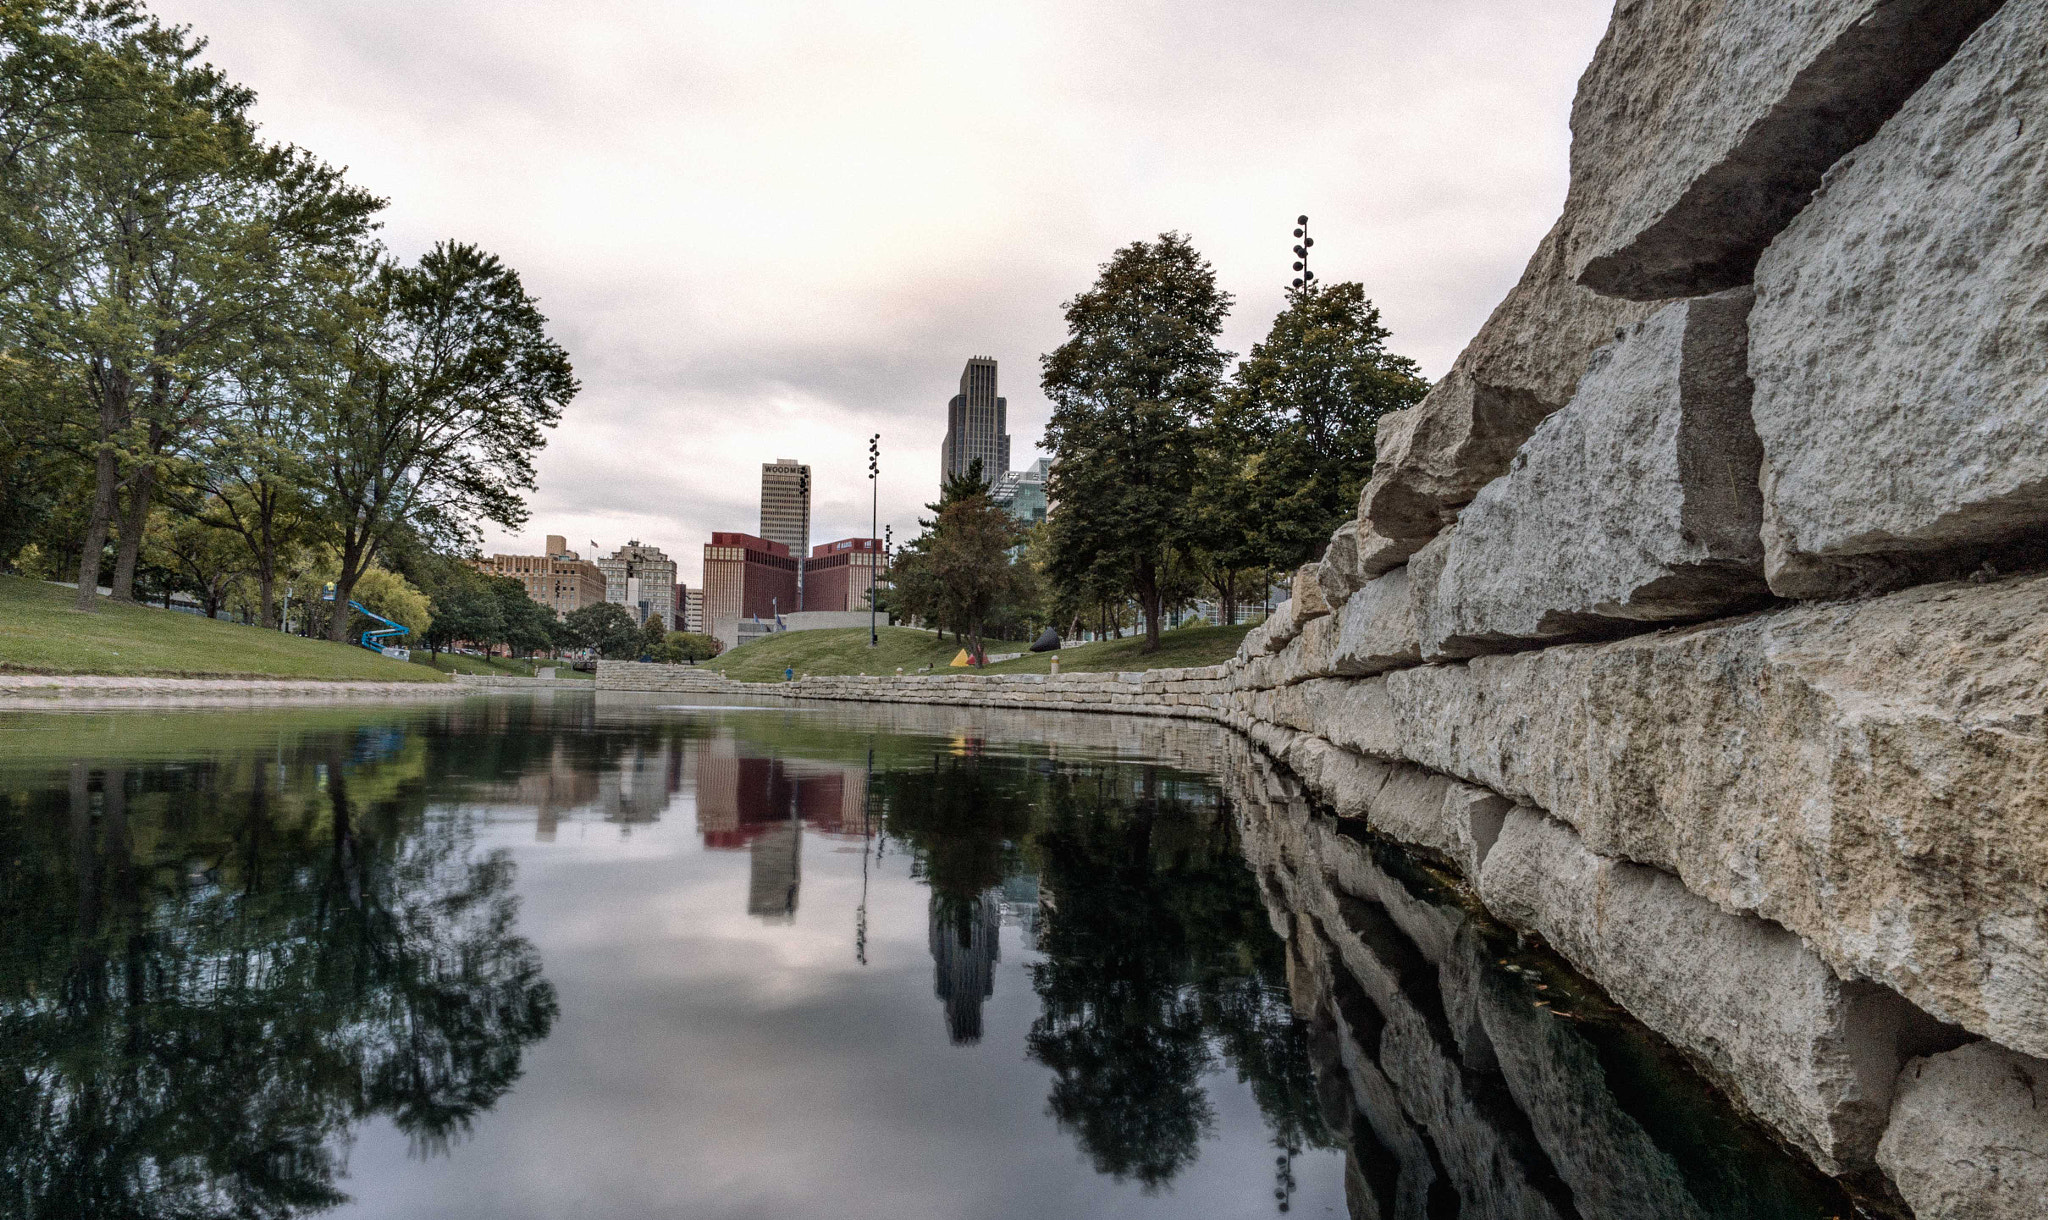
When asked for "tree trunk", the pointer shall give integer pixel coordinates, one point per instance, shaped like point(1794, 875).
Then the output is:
point(355, 557)
point(1149, 603)
point(134, 519)
point(106, 475)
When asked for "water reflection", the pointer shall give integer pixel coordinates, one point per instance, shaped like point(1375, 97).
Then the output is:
point(210, 974)
point(233, 944)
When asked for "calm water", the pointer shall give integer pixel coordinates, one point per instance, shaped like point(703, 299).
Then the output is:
point(613, 956)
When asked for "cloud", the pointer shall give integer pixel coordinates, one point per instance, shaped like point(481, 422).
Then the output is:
point(772, 228)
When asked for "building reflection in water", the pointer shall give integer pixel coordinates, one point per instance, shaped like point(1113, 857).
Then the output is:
point(966, 943)
point(764, 805)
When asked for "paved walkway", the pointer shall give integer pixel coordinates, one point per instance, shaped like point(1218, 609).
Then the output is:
point(17, 688)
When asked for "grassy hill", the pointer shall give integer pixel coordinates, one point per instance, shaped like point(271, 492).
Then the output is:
point(1178, 649)
point(846, 651)
point(840, 650)
point(41, 634)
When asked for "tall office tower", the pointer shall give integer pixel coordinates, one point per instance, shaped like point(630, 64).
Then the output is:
point(976, 425)
point(786, 504)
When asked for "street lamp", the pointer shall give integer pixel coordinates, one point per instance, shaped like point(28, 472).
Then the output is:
point(874, 519)
point(1306, 281)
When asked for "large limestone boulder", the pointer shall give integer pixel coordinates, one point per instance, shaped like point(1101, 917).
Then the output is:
point(1337, 571)
point(1703, 126)
point(1969, 1135)
point(1872, 775)
point(1814, 1057)
point(1523, 364)
point(1636, 503)
point(1901, 345)
point(1377, 629)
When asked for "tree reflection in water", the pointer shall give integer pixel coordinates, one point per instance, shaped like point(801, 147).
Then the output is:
point(210, 974)
point(1158, 966)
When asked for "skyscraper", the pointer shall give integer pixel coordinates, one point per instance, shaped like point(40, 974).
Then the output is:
point(786, 504)
point(976, 425)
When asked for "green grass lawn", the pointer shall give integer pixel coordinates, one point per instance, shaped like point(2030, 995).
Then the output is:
point(845, 651)
point(841, 650)
point(515, 667)
point(1182, 648)
point(40, 633)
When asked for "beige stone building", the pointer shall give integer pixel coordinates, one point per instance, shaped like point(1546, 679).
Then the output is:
point(561, 580)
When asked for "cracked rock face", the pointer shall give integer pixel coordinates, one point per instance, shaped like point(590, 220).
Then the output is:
point(1969, 1135)
point(1636, 503)
point(1900, 341)
point(1814, 1057)
point(1703, 126)
point(1872, 775)
point(1524, 363)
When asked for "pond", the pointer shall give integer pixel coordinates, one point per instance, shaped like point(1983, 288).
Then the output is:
point(631, 956)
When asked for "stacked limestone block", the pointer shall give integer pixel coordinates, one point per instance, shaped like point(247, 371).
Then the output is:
point(1789, 341)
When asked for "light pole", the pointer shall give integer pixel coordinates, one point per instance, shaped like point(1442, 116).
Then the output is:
point(874, 519)
point(1306, 281)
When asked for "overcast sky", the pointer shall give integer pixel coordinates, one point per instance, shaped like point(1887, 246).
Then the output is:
point(768, 229)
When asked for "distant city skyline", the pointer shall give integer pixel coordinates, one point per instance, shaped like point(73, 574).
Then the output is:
point(765, 230)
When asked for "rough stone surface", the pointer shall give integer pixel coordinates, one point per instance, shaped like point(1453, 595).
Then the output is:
point(1871, 775)
point(1902, 340)
point(1337, 572)
point(1377, 553)
point(1376, 629)
point(1703, 126)
point(1770, 1022)
point(1308, 599)
point(1969, 1135)
point(1636, 503)
point(1524, 363)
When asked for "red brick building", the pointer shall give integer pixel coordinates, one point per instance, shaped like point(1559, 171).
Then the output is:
point(745, 577)
point(837, 574)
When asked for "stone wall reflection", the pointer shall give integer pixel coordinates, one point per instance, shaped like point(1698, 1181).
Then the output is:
point(1470, 1071)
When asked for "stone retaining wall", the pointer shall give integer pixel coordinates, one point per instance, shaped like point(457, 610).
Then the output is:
point(523, 683)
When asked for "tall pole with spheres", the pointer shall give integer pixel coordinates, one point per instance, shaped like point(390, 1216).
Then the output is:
point(874, 520)
point(803, 484)
point(1304, 279)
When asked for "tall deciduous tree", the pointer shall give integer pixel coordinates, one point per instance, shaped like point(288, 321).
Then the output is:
point(433, 422)
point(147, 229)
point(1131, 388)
point(1297, 426)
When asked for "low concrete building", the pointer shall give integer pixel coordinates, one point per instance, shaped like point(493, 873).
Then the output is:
point(561, 580)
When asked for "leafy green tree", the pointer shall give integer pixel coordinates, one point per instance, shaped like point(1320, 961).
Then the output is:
point(653, 634)
point(203, 559)
point(606, 628)
point(147, 229)
point(688, 647)
point(1132, 388)
point(465, 607)
point(432, 420)
point(529, 626)
point(1296, 430)
point(959, 573)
